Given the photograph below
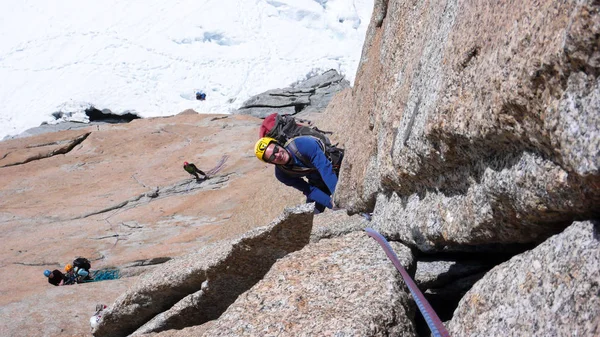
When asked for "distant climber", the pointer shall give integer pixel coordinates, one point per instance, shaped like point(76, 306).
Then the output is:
point(77, 272)
point(302, 158)
point(69, 277)
point(81, 275)
point(200, 96)
point(55, 277)
point(193, 170)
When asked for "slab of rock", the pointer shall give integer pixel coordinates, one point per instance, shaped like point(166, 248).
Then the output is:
point(121, 195)
point(277, 98)
point(50, 128)
point(337, 287)
point(478, 125)
point(311, 95)
point(12, 152)
point(521, 204)
point(56, 311)
point(262, 112)
point(331, 224)
point(325, 87)
point(551, 290)
point(198, 287)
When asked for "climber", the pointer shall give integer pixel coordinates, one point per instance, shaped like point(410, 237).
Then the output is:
point(193, 170)
point(69, 277)
point(81, 275)
point(55, 277)
point(200, 96)
point(301, 158)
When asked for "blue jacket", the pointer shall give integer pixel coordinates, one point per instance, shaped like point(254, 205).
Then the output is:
point(322, 173)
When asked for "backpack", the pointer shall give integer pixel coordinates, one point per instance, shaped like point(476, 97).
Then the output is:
point(82, 263)
point(285, 127)
point(332, 152)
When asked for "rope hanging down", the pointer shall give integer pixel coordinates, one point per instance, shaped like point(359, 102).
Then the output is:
point(432, 319)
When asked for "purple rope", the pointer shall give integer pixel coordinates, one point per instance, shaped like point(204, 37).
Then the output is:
point(432, 319)
point(218, 167)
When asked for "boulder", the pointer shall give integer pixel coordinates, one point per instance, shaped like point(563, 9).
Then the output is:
point(308, 96)
point(551, 290)
point(278, 98)
point(344, 286)
point(331, 224)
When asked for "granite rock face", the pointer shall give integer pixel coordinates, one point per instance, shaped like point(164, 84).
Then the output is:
point(551, 290)
point(471, 127)
point(473, 123)
point(309, 96)
point(337, 223)
point(344, 286)
point(117, 196)
point(54, 144)
point(197, 288)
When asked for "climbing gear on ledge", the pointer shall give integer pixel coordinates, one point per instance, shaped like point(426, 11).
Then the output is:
point(104, 275)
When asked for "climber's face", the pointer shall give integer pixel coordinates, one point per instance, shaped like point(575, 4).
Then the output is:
point(276, 154)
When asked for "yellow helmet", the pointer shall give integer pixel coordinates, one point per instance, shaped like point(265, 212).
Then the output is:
point(68, 267)
point(261, 147)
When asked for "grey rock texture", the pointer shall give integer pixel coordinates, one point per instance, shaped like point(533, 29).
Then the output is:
point(197, 288)
point(551, 290)
point(262, 112)
point(520, 204)
point(309, 96)
point(331, 224)
point(323, 87)
point(434, 274)
point(337, 287)
point(473, 123)
point(278, 98)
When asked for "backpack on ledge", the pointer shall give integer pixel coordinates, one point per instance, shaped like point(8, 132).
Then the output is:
point(82, 263)
point(286, 127)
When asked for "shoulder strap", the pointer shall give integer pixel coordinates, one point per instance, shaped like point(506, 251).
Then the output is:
point(297, 171)
point(294, 169)
point(291, 145)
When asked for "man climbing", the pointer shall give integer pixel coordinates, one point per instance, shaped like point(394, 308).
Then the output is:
point(303, 165)
point(55, 277)
point(193, 170)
